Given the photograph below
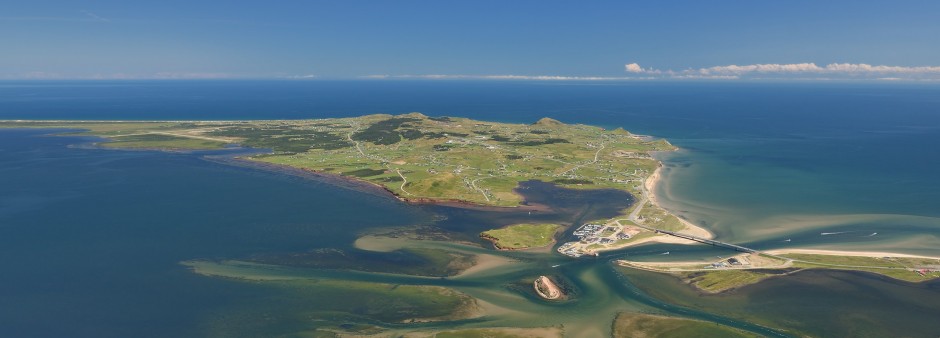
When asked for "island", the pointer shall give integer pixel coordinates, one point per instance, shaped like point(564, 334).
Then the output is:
point(547, 289)
point(744, 269)
point(647, 325)
point(522, 236)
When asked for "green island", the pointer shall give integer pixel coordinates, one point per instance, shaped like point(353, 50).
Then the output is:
point(522, 236)
point(501, 333)
point(750, 268)
point(640, 325)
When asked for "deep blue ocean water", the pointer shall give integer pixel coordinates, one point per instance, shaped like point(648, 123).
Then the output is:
point(91, 239)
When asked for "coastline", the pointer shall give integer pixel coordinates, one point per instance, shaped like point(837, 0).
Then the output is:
point(357, 184)
point(779, 252)
point(353, 183)
point(551, 290)
point(649, 187)
point(874, 254)
point(715, 277)
point(360, 185)
point(575, 249)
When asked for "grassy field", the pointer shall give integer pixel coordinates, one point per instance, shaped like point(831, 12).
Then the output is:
point(723, 280)
point(412, 155)
point(764, 266)
point(522, 236)
point(659, 218)
point(500, 333)
point(637, 325)
point(894, 267)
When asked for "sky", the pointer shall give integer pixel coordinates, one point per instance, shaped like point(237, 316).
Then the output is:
point(542, 40)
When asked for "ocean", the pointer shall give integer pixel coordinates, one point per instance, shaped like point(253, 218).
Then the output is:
point(92, 239)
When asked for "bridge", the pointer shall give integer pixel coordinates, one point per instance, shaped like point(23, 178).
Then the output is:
point(705, 240)
point(698, 239)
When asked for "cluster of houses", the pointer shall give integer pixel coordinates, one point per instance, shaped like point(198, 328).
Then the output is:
point(593, 233)
point(728, 263)
point(590, 233)
point(571, 249)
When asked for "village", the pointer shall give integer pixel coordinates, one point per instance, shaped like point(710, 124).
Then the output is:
point(593, 237)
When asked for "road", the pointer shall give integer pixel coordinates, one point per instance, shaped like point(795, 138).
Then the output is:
point(596, 155)
point(473, 184)
point(403, 182)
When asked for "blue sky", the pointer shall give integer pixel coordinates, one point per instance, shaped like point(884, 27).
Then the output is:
point(553, 39)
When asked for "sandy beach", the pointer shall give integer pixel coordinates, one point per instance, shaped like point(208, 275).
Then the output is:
point(662, 238)
point(546, 288)
point(754, 262)
point(650, 186)
point(843, 253)
point(765, 264)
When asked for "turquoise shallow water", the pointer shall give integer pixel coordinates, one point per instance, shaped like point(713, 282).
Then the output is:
point(92, 239)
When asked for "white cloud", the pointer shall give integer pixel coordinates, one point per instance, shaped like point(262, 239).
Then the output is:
point(41, 76)
point(761, 68)
point(798, 70)
point(302, 77)
point(38, 75)
point(186, 75)
point(633, 68)
point(636, 69)
point(864, 68)
point(503, 77)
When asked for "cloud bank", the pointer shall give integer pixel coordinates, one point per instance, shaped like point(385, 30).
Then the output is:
point(505, 77)
point(796, 70)
point(119, 76)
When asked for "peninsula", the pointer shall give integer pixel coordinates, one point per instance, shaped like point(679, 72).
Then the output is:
point(438, 160)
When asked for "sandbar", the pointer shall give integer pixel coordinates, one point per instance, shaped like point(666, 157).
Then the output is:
point(843, 253)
